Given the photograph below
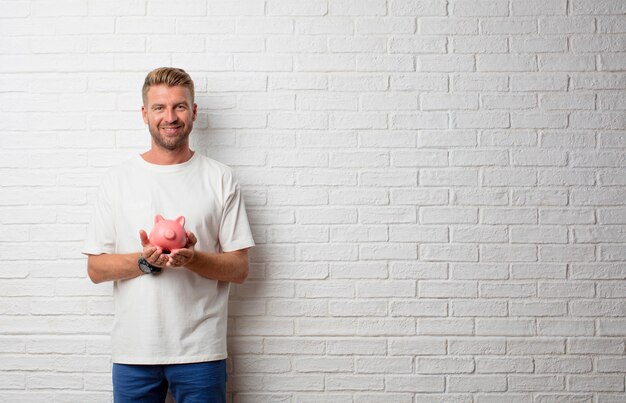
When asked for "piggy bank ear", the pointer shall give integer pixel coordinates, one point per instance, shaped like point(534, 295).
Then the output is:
point(158, 218)
point(181, 221)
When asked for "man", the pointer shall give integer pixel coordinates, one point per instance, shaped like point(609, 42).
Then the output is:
point(170, 308)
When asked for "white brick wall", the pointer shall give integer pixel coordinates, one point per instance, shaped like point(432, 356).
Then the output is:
point(436, 187)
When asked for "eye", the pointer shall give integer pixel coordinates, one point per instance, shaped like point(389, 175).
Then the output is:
point(182, 107)
point(158, 108)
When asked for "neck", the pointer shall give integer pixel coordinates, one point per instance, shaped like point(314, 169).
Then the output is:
point(161, 156)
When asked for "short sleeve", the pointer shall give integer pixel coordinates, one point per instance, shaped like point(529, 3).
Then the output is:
point(101, 230)
point(234, 232)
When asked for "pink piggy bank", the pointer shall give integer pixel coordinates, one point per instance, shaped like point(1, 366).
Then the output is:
point(168, 234)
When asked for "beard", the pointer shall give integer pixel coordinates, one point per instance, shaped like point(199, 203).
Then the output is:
point(170, 143)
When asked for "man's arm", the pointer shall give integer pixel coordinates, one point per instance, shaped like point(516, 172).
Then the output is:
point(226, 266)
point(231, 267)
point(109, 267)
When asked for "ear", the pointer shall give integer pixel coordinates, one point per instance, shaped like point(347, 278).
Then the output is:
point(158, 218)
point(195, 112)
point(181, 221)
point(144, 114)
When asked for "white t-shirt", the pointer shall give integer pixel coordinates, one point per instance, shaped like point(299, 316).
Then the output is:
point(176, 316)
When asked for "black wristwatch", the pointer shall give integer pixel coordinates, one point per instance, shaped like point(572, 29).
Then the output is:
point(146, 267)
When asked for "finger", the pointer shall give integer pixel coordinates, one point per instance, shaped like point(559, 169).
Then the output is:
point(191, 239)
point(162, 260)
point(148, 252)
point(144, 238)
point(154, 258)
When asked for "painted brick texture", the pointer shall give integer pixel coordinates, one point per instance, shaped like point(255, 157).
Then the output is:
point(437, 189)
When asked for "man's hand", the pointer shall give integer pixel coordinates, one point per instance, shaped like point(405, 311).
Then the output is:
point(153, 254)
point(181, 257)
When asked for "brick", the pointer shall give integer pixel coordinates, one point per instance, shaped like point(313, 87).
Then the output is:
point(385, 25)
point(505, 327)
point(395, 288)
point(566, 25)
point(425, 44)
point(325, 290)
point(541, 345)
point(500, 26)
point(388, 101)
point(479, 120)
point(512, 253)
point(297, 308)
point(361, 8)
point(359, 234)
point(480, 44)
point(601, 7)
point(356, 346)
point(448, 176)
point(506, 62)
point(327, 25)
point(542, 44)
point(473, 345)
point(611, 24)
point(457, 253)
point(353, 233)
point(567, 63)
point(415, 383)
point(612, 62)
point(285, 345)
point(385, 63)
point(260, 25)
point(422, 308)
point(477, 383)
point(422, 234)
point(360, 270)
point(420, 120)
point(358, 308)
point(447, 26)
point(350, 44)
point(565, 327)
point(326, 364)
point(563, 365)
point(483, 8)
point(453, 327)
point(418, 7)
point(596, 383)
point(384, 365)
point(446, 63)
point(539, 82)
point(479, 271)
point(434, 101)
point(177, 8)
point(478, 308)
point(538, 7)
point(529, 383)
point(299, 8)
point(496, 365)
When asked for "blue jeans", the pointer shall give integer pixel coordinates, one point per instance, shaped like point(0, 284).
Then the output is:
point(200, 382)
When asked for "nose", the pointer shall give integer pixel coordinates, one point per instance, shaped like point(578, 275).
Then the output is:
point(170, 116)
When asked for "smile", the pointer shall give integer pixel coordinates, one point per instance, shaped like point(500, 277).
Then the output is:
point(170, 129)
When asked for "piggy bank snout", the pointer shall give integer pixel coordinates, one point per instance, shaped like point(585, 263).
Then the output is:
point(169, 234)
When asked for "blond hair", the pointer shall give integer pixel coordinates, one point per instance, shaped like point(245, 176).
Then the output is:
point(170, 76)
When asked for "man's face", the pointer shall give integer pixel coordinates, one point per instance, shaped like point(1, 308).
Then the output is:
point(169, 113)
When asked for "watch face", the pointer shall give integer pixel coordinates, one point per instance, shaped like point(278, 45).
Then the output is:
point(146, 267)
